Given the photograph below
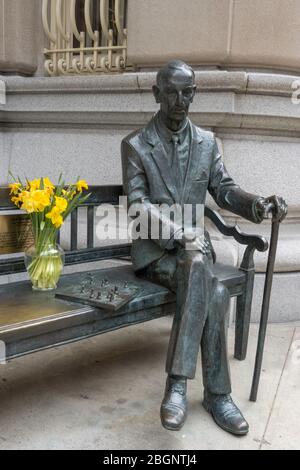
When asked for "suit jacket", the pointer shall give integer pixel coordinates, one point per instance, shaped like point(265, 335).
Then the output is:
point(147, 180)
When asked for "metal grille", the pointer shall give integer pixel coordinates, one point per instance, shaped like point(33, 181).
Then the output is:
point(85, 36)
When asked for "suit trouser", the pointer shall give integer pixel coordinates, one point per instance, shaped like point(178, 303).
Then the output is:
point(200, 318)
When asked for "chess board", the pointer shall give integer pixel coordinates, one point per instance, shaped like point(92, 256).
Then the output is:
point(99, 292)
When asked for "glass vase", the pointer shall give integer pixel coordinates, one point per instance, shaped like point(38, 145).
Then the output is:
point(44, 265)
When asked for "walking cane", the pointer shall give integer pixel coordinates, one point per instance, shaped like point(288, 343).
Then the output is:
point(265, 308)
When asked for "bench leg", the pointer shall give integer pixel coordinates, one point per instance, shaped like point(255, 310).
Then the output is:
point(242, 321)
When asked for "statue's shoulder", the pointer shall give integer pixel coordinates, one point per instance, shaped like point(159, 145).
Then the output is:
point(140, 138)
point(207, 136)
point(135, 138)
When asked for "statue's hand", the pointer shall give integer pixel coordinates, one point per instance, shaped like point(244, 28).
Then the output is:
point(189, 240)
point(198, 245)
point(194, 243)
point(272, 205)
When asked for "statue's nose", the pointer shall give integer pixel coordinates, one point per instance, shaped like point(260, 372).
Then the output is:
point(179, 98)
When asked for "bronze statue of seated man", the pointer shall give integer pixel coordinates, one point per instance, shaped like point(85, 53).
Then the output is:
point(172, 161)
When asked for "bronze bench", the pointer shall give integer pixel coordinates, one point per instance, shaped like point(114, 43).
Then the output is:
point(32, 321)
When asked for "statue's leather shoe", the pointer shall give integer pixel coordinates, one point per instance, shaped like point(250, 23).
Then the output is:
point(225, 413)
point(173, 409)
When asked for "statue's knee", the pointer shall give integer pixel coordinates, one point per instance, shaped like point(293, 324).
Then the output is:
point(221, 298)
point(192, 258)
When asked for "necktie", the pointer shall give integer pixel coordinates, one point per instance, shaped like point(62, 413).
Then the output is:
point(175, 142)
point(176, 163)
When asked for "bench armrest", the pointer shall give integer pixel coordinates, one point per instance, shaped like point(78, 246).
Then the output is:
point(256, 242)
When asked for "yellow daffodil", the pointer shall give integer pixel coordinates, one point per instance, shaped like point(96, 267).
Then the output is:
point(14, 188)
point(34, 201)
point(55, 216)
point(28, 203)
point(48, 184)
point(42, 199)
point(68, 194)
point(16, 200)
point(34, 184)
point(47, 205)
point(61, 203)
point(81, 184)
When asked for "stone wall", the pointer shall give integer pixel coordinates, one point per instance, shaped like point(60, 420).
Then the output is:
point(256, 33)
point(260, 34)
point(20, 40)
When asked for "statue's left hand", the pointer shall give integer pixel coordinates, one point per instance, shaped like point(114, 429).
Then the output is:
point(274, 205)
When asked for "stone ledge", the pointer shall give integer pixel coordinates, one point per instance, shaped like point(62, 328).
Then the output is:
point(235, 81)
point(2, 92)
point(271, 84)
point(226, 99)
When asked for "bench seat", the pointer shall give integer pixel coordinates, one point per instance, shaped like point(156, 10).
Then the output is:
point(31, 321)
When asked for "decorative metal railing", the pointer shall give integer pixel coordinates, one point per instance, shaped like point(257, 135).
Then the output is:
point(85, 36)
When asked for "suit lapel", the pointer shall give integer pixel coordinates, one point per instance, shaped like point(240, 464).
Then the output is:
point(161, 159)
point(193, 162)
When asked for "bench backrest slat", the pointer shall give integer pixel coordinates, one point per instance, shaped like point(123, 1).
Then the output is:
point(5, 201)
point(90, 226)
point(99, 195)
point(74, 230)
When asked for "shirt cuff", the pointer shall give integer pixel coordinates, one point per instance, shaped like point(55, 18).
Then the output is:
point(257, 215)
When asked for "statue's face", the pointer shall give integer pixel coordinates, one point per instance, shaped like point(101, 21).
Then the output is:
point(175, 94)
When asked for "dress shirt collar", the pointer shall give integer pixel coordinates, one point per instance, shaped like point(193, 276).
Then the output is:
point(166, 133)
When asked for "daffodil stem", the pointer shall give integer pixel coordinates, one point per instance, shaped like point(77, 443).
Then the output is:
point(46, 265)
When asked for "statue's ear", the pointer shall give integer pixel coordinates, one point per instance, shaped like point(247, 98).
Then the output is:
point(194, 91)
point(156, 93)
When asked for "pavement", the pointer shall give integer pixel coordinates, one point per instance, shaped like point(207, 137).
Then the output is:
point(105, 393)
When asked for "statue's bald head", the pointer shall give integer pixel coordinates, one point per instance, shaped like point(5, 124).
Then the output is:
point(175, 66)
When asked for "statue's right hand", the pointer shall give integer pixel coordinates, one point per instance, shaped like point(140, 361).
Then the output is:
point(198, 245)
point(191, 242)
point(185, 237)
